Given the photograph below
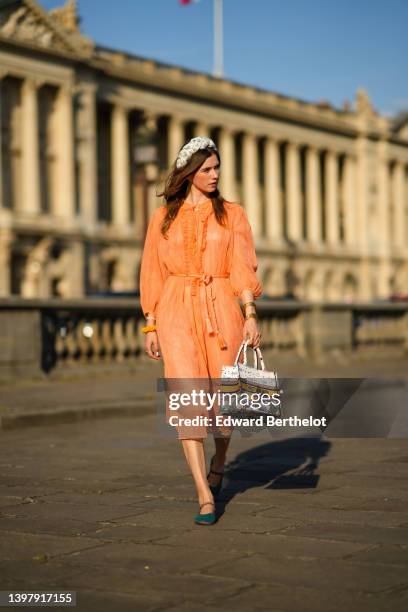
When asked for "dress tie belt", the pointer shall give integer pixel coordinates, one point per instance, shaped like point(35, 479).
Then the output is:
point(205, 279)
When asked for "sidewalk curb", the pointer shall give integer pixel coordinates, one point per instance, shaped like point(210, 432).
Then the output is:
point(70, 414)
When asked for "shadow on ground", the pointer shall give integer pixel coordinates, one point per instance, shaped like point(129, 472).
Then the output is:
point(283, 464)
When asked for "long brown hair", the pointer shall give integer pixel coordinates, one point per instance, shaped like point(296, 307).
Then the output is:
point(177, 184)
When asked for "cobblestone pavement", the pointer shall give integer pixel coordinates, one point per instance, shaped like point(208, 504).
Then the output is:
point(105, 507)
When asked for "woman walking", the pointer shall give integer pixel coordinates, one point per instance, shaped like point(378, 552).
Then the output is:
point(198, 258)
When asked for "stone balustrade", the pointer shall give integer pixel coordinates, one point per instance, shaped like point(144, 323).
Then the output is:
point(39, 336)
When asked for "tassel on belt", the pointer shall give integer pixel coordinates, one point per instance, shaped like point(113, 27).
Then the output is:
point(205, 279)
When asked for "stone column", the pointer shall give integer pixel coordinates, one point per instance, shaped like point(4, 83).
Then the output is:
point(175, 138)
point(87, 154)
point(349, 200)
point(362, 216)
point(332, 197)
point(2, 203)
point(228, 185)
point(6, 241)
point(273, 200)
point(31, 196)
point(65, 203)
point(250, 174)
point(398, 199)
point(294, 214)
point(201, 129)
point(383, 221)
point(313, 197)
point(120, 164)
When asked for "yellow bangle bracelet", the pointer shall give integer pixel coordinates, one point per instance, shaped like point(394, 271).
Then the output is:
point(148, 328)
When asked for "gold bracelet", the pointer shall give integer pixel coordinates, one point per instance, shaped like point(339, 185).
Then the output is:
point(250, 315)
point(246, 310)
point(148, 328)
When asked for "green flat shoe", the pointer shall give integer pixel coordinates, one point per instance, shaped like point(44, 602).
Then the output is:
point(206, 519)
point(215, 489)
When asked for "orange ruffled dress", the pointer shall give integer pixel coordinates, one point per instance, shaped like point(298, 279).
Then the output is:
point(190, 282)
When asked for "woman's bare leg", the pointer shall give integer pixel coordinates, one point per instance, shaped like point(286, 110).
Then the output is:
point(194, 452)
point(221, 447)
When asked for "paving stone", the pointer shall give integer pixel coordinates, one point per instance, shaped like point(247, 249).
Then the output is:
point(387, 505)
point(318, 515)
point(273, 546)
point(134, 533)
point(354, 533)
point(160, 558)
point(204, 588)
point(117, 602)
point(128, 498)
point(21, 574)
point(25, 546)
point(303, 599)
point(48, 510)
point(56, 526)
point(305, 573)
point(388, 555)
point(195, 606)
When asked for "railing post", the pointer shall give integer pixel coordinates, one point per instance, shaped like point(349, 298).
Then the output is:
point(313, 332)
point(405, 332)
point(20, 342)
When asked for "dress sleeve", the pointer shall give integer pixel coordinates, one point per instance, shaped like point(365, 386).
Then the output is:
point(244, 262)
point(153, 271)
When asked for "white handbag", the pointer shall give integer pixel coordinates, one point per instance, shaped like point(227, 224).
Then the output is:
point(249, 391)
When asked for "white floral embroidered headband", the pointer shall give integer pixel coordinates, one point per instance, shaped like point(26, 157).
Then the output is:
point(199, 142)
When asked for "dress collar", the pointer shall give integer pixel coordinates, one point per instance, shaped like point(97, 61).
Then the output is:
point(203, 205)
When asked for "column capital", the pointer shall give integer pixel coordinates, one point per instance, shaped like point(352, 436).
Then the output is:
point(86, 87)
point(68, 88)
point(34, 82)
point(177, 117)
point(399, 164)
point(332, 153)
point(121, 105)
point(7, 235)
point(227, 129)
point(293, 145)
point(273, 138)
point(313, 148)
point(203, 123)
point(250, 135)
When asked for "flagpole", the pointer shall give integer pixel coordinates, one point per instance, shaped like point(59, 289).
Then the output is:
point(218, 42)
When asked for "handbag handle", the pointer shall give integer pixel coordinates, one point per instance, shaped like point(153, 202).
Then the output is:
point(257, 355)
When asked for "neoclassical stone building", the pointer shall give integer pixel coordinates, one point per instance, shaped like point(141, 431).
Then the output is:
point(326, 190)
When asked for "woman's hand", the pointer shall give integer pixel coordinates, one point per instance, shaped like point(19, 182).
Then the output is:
point(252, 332)
point(152, 345)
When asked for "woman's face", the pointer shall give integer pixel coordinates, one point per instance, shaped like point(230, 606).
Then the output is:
point(206, 177)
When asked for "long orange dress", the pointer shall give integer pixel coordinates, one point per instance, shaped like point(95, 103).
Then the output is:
point(190, 282)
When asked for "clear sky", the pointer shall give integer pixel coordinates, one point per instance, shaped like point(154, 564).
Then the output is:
point(309, 49)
